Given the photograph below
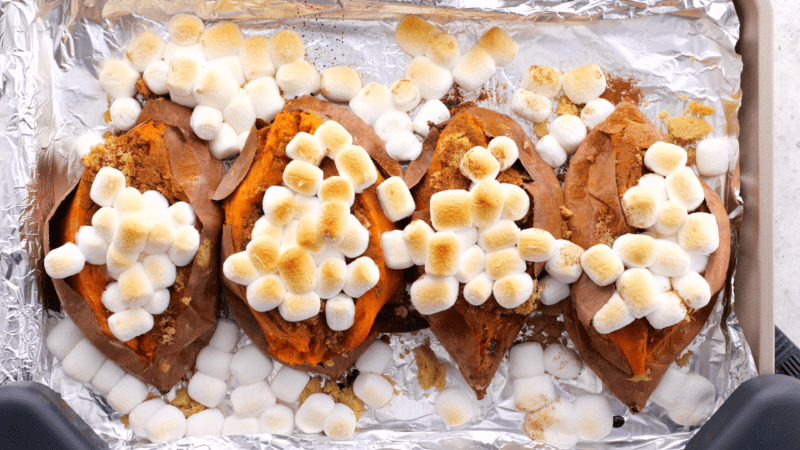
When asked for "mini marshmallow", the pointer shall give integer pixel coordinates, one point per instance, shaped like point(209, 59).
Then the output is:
point(663, 158)
point(443, 50)
point(215, 88)
point(181, 214)
point(185, 246)
point(613, 316)
point(488, 199)
point(478, 289)
point(83, 361)
point(500, 46)
point(711, 157)
point(205, 423)
point(671, 310)
point(92, 244)
point(405, 95)
point(214, 363)
point(182, 74)
point(118, 262)
point(403, 146)
point(252, 399)
point(542, 80)
point(663, 283)
point(225, 335)
point(657, 185)
point(516, 203)
point(192, 51)
point(671, 216)
point(86, 141)
point(265, 97)
point(693, 289)
point(235, 425)
point(444, 250)
point(530, 106)
point(310, 416)
point(222, 39)
point(188, 101)
point(699, 234)
point(354, 164)
point(297, 78)
point(226, 144)
point(118, 79)
point(124, 113)
point(526, 360)
point(505, 262)
point(278, 204)
point(562, 362)
point(373, 389)
point(553, 291)
point(432, 111)
point(565, 265)
point(155, 204)
point(333, 222)
point(263, 254)
point(185, 29)
point(395, 251)
point(307, 237)
point(602, 265)
point(155, 77)
point(305, 147)
point(535, 245)
point(340, 84)
point(289, 383)
point(160, 271)
point(698, 262)
point(240, 269)
point(340, 423)
point(639, 291)
point(207, 390)
point(595, 112)
point(454, 406)
point(135, 287)
point(636, 250)
point(414, 34)
point(569, 131)
point(63, 338)
point(128, 201)
point(505, 150)
point(502, 234)
point(141, 413)
point(671, 259)
point(390, 123)
point(375, 358)
point(266, 293)
point(333, 137)
point(683, 186)
point(306, 204)
point(534, 392)
point(697, 399)
point(128, 324)
point(297, 307)
point(255, 59)
point(289, 236)
point(105, 221)
point(107, 184)
point(286, 47)
point(467, 236)
point(332, 275)
point(584, 84)
point(513, 290)
point(594, 417)
point(371, 102)
point(474, 68)
point(167, 424)
point(240, 113)
point(298, 271)
point(340, 312)
point(263, 227)
point(158, 303)
point(362, 275)
point(276, 419)
point(127, 394)
point(395, 198)
point(479, 164)
point(416, 236)
point(451, 210)
point(430, 294)
point(472, 263)
point(432, 80)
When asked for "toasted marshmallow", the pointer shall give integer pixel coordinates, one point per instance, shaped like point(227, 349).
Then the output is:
point(373, 389)
point(451, 210)
point(298, 270)
point(118, 79)
point(542, 80)
point(124, 113)
point(671, 217)
point(263, 227)
point(298, 78)
point(516, 203)
point(636, 250)
point(130, 237)
point(354, 164)
point(390, 123)
point(613, 316)
point(255, 59)
point(356, 238)
point(595, 418)
point(534, 392)
point(181, 214)
point(693, 289)
point(670, 311)
point(279, 204)
point(185, 29)
point(430, 294)
point(657, 184)
point(263, 252)
point(432, 111)
point(184, 246)
point(286, 47)
point(302, 177)
point(265, 97)
point(472, 263)
point(432, 80)
point(305, 147)
point(308, 236)
point(240, 113)
point(454, 406)
point(64, 261)
point(144, 50)
point(206, 122)
point(117, 262)
point(444, 252)
point(639, 291)
point(340, 423)
point(530, 106)
point(488, 197)
point(266, 293)
point(159, 270)
point(503, 234)
point(569, 131)
point(126, 325)
point(413, 35)
point(332, 223)
point(129, 200)
point(333, 137)
point(503, 263)
point(474, 68)
point(553, 291)
point(467, 236)
point(562, 362)
point(444, 50)
point(134, 286)
point(403, 146)
point(327, 253)
point(584, 84)
point(158, 303)
point(416, 236)
point(289, 239)
point(499, 45)
point(596, 112)
point(106, 185)
point(193, 52)
point(92, 244)
point(699, 234)
point(513, 290)
point(505, 150)
point(188, 101)
point(479, 164)
point(240, 269)
point(536, 245)
point(663, 158)
point(332, 275)
point(340, 312)
point(478, 289)
point(712, 157)
point(371, 102)
point(215, 88)
point(182, 73)
point(601, 264)
point(683, 186)
point(339, 189)
point(640, 207)
point(222, 39)
point(362, 275)
point(405, 95)
point(671, 259)
point(297, 307)
point(340, 84)
point(565, 265)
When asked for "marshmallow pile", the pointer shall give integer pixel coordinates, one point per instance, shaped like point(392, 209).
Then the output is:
point(687, 397)
point(296, 257)
point(658, 273)
point(370, 386)
point(141, 239)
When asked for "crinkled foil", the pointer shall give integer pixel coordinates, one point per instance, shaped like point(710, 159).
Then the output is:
point(677, 51)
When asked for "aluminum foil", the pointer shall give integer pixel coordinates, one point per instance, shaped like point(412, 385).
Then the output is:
point(677, 51)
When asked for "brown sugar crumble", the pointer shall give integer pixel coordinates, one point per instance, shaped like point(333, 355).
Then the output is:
point(345, 396)
point(565, 106)
point(698, 109)
point(431, 372)
point(663, 115)
point(541, 129)
point(185, 403)
point(688, 129)
point(619, 89)
point(684, 359)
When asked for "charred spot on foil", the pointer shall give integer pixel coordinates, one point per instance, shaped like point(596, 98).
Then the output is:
point(619, 421)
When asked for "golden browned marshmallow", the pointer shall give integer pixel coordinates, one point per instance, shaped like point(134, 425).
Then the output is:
point(503, 263)
point(636, 250)
point(264, 253)
point(305, 147)
point(337, 188)
point(134, 286)
point(222, 39)
point(159, 270)
point(473, 69)
point(513, 290)
point(663, 158)
point(639, 291)
point(683, 186)
point(298, 78)
point(613, 316)
point(339, 84)
point(693, 289)
point(297, 307)
point(266, 293)
point(159, 236)
point(601, 264)
point(144, 50)
point(451, 210)
point(184, 246)
point(395, 198)
point(443, 50)
point(699, 234)
point(240, 269)
point(536, 245)
point(671, 310)
point(354, 164)
point(516, 202)
point(444, 254)
point(500, 46)
point(478, 289)
point(255, 59)
point(432, 80)
point(131, 235)
point(332, 222)
point(479, 164)
point(105, 221)
point(584, 84)
point(308, 236)
point(331, 275)
point(65, 261)
point(278, 205)
point(405, 95)
point(302, 177)
point(416, 236)
point(285, 47)
point(129, 200)
point(333, 137)
point(431, 294)
point(356, 238)
point(306, 204)
point(505, 150)
point(414, 34)
point(671, 217)
point(117, 262)
point(542, 80)
point(118, 79)
point(215, 88)
point(640, 207)
point(263, 227)
point(362, 275)
point(472, 263)
point(298, 270)
point(503, 234)
point(671, 259)
point(531, 106)
point(185, 29)
point(182, 74)
point(565, 264)
point(488, 197)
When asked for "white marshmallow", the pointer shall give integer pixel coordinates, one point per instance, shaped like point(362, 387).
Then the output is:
point(503, 234)
point(513, 290)
point(553, 291)
point(160, 271)
point(443, 50)
point(333, 137)
point(277, 419)
point(405, 95)
point(699, 234)
point(373, 389)
point(551, 151)
point(516, 203)
point(155, 77)
point(226, 144)
point(124, 113)
point(503, 263)
point(214, 87)
point(488, 200)
point(289, 383)
point(535, 245)
point(354, 164)
point(698, 262)
point(500, 46)
point(711, 157)
point(542, 80)
point(278, 205)
point(639, 291)
point(182, 73)
point(479, 164)
point(222, 39)
point(265, 97)
point(118, 262)
point(63, 338)
point(671, 216)
point(225, 335)
point(185, 246)
point(584, 84)
point(371, 102)
point(188, 101)
point(416, 236)
point(309, 204)
point(155, 204)
point(390, 123)
point(127, 394)
point(683, 186)
point(663, 283)
point(671, 259)
point(158, 303)
point(128, 324)
point(105, 221)
point(395, 251)
point(569, 131)
point(695, 402)
point(565, 265)
point(375, 358)
point(636, 250)
point(263, 227)
point(207, 390)
point(214, 363)
point(167, 424)
point(86, 141)
point(142, 413)
point(185, 29)
point(340, 84)
point(612, 316)
point(432, 111)
point(670, 311)
point(134, 286)
point(602, 265)
point(332, 275)
point(444, 250)
point(526, 360)
point(310, 417)
point(478, 289)
point(467, 236)
point(289, 236)
point(181, 214)
point(107, 184)
point(266, 293)
point(305, 147)
point(83, 361)
point(530, 106)
point(240, 113)
point(205, 423)
point(451, 210)
point(454, 406)
point(362, 275)
point(286, 47)
point(243, 140)
point(248, 365)
point(505, 150)
point(413, 35)
point(657, 186)
point(693, 289)
point(92, 245)
point(533, 393)
point(432, 80)
point(562, 362)
point(474, 68)
point(595, 112)
point(395, 198)
point(297, 78)
point(472, 263)
point(255, 59)
point(594, 417)
point(430, 294)
point(191, 51)
point(235, 425)
point(340, 423)
point(118, 79)
point(340, 312)
point(252, 399)
point(297, 307)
